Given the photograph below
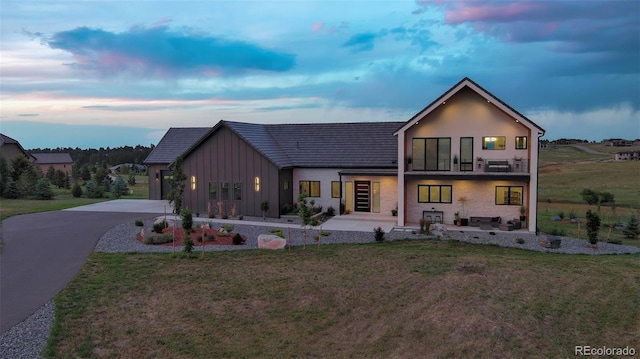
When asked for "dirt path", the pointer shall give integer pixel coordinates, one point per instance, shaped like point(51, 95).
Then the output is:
point(589, 150)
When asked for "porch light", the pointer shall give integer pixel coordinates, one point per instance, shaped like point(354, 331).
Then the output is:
point(257, 184)
point(193, 183)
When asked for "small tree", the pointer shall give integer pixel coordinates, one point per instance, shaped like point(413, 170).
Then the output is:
point(188, 245)
point(176, 185)
point(305, 212)
point(43, 189)
point(187, 220)
point(589, 196)
point(5, 174)
point(264, 207)
point(132, 179)
point(76, 191)
point(59, 178)
point(119, 188)
point(93, 190)
point(593, 226)
point(632, 229)
point(51, 173)
point(11, 191)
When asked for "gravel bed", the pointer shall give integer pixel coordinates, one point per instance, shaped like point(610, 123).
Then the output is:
point(28, 338)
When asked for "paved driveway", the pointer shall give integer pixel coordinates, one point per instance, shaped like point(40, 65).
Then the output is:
point(42, 252)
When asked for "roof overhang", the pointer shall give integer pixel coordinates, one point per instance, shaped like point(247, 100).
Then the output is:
point(369, 172)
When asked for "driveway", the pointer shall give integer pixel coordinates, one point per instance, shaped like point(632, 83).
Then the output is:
point(43, 252)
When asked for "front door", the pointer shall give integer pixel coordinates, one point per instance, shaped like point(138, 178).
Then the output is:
point(363, 196)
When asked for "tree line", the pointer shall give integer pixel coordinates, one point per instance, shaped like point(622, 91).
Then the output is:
point(101, 157)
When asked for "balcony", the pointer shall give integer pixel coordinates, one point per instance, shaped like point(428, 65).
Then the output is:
point(489, 169)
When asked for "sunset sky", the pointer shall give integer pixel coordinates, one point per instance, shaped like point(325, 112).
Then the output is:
point(111, 73)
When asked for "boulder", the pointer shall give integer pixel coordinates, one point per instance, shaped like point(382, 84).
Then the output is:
point(438, 230)
point(270, 241)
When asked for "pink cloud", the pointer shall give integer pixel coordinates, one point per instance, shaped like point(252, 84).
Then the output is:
point(502, 12)
point(317, 26)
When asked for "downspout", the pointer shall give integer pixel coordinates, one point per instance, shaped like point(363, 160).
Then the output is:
point(537, 181)
point(341, 194)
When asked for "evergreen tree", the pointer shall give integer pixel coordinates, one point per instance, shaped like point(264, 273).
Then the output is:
point(593, 227)
point(19, 165)
point(85, 173)
point(632, 230)
point(51, 173)
point(12, 190)
point(132, 179)
point(119, 188)
point(58, 178)
point(43, 189)
point(5, 175)
point(76, 191)
point(27, 181)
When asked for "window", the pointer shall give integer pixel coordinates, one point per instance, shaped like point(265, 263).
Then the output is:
point(509, 195)
point(432, 154)
point(521, 142)
point(213, 191)
point(494, 143)
point(466, 154)
point(336, 189)
point(193, 183)
point(224, 188)
point(237, 191)
point(434, 193)
point(310, 188)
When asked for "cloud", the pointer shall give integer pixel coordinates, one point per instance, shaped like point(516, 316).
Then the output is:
point(161, 52)
point(361, 42)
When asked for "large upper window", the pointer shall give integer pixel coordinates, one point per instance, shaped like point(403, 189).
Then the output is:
point(494, 143)
point(521, 142)
point(310, 188)
point(466, 154)
point(434, 193)
point(509, 195)
point(432, 154)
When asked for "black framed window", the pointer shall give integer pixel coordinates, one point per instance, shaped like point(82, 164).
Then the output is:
point(432, 154)
point(434, 193)
point(310, 188)
point(494, 143)
point(213, 191)
point(466, 154)
point(509, 195)
point(224, 190)
point(237, 191)
point(521, 142)
point(336, 189)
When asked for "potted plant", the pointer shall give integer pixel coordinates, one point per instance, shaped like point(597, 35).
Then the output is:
point(457, 221)
point(409, 162)
point(394, 212)
point(464, 220)
point(455, 162)
point(480, 162)
point(264, 207)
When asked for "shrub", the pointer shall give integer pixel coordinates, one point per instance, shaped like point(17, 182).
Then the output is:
point(378, 234)
point(325, 233)
point(593, 226)
point(615, 241)
point(331, 211)
point(161, 239)
point(139, 223)
point(188, 245)
point(93, 190)
point(572, 214)
point(76, 191)
point(43, 189)
point(557, 232)
point(11, 191)
point(631, 230)
point(561, 214)
point(520, 240)
point(160, 226)
point(277, 232)
point(238, 240)
point(187, 220)
point(228, 227)
point(424, 226)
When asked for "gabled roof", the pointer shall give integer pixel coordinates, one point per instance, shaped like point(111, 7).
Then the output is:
point(52, 158)
point(4, 139)
point(174, 143)
point(340, 145)
point(467, 82)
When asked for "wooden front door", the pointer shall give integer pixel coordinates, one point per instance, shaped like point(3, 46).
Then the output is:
point(363, 196)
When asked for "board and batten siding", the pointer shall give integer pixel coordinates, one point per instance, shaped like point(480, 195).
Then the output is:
point(225, 157)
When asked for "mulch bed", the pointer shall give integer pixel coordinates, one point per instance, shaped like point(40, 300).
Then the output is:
point(211, 237)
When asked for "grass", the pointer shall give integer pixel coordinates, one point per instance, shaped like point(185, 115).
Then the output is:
point(62, 200)
point(400, 299)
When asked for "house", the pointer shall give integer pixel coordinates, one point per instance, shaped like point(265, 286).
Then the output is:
point(496, 150)
point(59, 161)
point(627, 156)
point(242, 165)
point(172, 145)
point(10, 149)
point(467, 143)
point(128, 167)
point(618, 142)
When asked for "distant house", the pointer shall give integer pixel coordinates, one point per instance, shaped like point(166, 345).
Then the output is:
point(173, 144)
point(10, 149)
point(627, 156)
point(618, 142)
point(59, 161)
point(467, 143)
point(129, 166)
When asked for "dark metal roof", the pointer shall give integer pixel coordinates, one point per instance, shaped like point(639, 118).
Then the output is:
point(4, 139)
point(174, 143)
point(52, 158)
point(320, 145)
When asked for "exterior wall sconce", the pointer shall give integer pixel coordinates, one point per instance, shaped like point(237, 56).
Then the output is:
point(157, 176)
point(193, 183)
point(257, 184)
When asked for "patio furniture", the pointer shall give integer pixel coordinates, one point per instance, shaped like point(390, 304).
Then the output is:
point(433, 216)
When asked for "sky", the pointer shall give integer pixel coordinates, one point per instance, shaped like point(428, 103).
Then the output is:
point(95, 74)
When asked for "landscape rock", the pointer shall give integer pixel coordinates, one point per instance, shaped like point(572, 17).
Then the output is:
point(270, 241)
point(438, 230)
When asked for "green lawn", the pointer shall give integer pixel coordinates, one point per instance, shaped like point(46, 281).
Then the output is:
point(405, 299)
